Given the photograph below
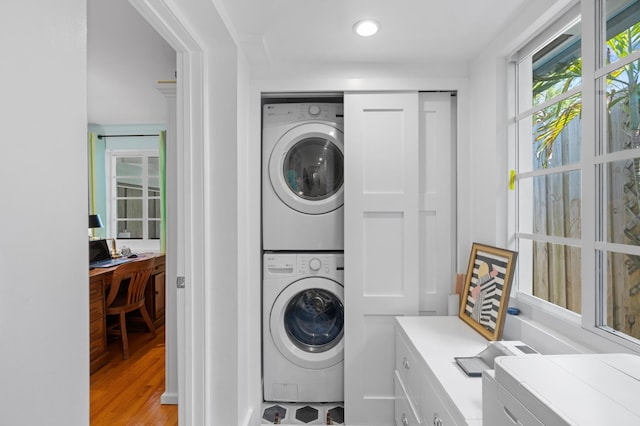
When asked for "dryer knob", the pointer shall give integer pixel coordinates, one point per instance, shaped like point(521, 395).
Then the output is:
point(315, 264)
point(314, 110)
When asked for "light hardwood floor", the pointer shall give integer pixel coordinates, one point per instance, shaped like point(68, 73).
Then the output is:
point(127, 392)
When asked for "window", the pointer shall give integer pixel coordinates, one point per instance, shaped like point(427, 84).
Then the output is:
point(135, 195)
point(577, 159)
point(618, 164)
point(549, 167)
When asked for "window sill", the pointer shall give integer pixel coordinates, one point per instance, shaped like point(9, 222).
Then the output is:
point(556, 331)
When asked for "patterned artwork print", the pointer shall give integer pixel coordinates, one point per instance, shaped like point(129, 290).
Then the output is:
point(486, 288)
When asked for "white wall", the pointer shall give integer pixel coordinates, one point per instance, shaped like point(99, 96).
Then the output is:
point(488, 176)
point(126, 58)
point(44, 300)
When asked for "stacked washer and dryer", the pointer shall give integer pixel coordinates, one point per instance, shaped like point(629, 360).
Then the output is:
point(303, 242)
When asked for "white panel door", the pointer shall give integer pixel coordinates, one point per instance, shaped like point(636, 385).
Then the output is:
point(437, 202)
point(381, 245)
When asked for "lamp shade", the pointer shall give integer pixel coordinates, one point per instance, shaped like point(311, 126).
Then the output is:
point(95, 221)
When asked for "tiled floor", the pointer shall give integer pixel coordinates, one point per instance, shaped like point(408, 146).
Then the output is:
point(302, 414)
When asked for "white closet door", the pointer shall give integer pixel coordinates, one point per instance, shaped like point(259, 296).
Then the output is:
point(381, 245)
point(437, 202)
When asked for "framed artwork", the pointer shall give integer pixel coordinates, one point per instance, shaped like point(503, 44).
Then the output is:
point(485, 295)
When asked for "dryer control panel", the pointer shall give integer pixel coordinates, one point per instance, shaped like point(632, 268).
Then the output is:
point(276, 114)
point(291, 264)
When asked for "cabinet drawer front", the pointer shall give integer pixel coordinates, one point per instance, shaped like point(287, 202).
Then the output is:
point(404, 413)
point(95, 290)
point(514, 413)
point(96, 309)
point(96, 330)
point(96, 348)
point(97, 344)
point(159, 265)
point(434, 410)
point(409, 371)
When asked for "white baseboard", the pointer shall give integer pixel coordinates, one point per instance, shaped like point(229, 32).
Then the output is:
point(248, 418)
point(169, 398)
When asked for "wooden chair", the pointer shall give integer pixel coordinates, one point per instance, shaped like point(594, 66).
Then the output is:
point(121, 301)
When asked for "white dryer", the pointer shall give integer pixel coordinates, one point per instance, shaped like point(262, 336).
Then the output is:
point(302, 176)
point(302, 327)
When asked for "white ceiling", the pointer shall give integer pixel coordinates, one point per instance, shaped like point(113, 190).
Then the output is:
point(127, 57)
point(412, 31)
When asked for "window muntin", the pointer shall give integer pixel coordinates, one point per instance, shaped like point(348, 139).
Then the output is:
point(622, 200)
point(136, 195)
point(622, 297)
point(622, 111)
point(557, 66)
point(623, 31)
point(556, 134)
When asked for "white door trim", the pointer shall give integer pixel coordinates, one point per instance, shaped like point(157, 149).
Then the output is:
point(190, 176)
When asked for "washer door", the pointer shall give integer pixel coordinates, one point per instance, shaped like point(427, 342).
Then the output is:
point(307, 323)
point(306, 168)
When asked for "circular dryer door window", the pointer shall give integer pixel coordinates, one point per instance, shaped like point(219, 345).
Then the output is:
point(306, 168)
point(307, 323)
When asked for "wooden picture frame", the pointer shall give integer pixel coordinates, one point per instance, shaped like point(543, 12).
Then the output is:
point(485, 296)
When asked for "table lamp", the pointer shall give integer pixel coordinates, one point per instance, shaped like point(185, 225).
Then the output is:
point(94, 222)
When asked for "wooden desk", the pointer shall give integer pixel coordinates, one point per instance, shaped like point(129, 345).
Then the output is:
point(99, 282)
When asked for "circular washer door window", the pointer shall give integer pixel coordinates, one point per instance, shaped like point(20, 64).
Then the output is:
point(306, 168)
point(307, 323)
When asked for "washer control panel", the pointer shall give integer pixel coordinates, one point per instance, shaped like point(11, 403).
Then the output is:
point(314, 264)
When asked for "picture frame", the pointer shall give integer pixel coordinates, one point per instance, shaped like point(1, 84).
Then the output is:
point(485, 296)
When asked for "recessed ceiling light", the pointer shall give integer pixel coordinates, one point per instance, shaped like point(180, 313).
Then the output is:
point(366, 27)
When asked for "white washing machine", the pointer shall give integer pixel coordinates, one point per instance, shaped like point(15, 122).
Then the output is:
point(302, 176)
point(302, 327)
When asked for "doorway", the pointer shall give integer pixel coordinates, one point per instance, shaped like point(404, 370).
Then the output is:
point(126, 57)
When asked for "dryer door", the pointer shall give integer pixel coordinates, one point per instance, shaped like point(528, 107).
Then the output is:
point(306, 168)
point(307, 323)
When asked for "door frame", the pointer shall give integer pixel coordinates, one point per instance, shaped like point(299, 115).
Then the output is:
point(188, 245)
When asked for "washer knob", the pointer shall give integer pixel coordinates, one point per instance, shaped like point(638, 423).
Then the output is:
point(314, 110)
point(315, 264)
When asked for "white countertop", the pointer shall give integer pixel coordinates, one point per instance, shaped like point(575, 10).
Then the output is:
point(438, 340)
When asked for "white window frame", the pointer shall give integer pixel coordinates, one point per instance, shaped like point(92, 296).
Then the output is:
point(587, 326)
point(112, 208)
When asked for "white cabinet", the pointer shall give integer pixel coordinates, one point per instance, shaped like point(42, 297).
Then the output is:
point(430, 389)
point(408, 377)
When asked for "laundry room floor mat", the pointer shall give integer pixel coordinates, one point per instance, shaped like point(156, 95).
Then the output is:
point(302, 414)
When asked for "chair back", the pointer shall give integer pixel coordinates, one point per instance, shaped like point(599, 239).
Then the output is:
point(138, 272)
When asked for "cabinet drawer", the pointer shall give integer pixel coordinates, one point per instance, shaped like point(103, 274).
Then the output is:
point(514, 413)
point(409, 372)
point(97, 347)
point(434, 410)
point(95, 289)
point(96, 330)
point(159, 265)
point(97, 343)
point(96, 309)
point(404, 414)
